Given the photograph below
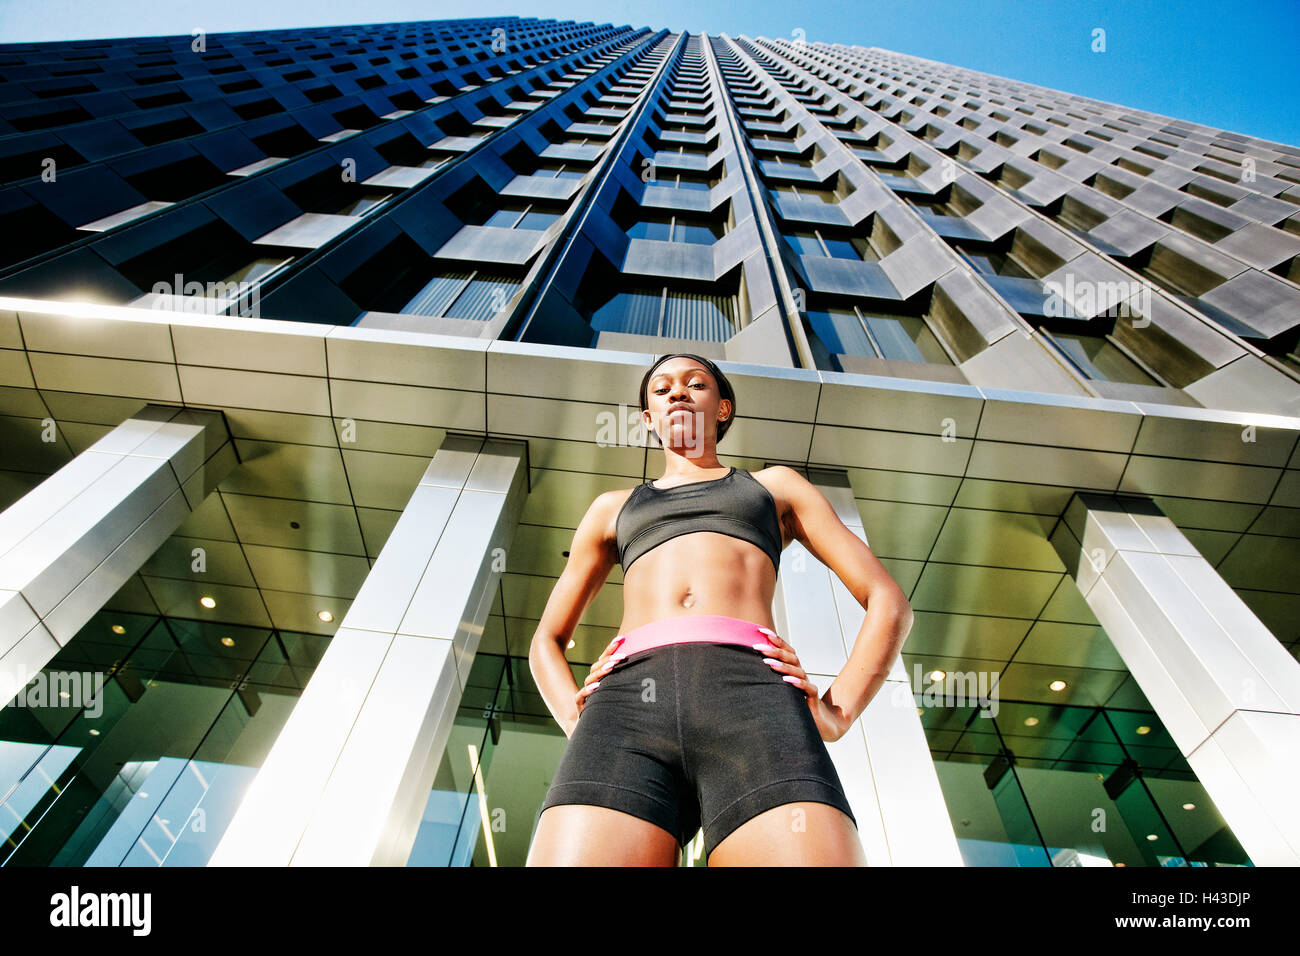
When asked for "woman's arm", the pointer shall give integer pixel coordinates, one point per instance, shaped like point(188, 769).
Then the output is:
point(591, 555)
point(889, 614)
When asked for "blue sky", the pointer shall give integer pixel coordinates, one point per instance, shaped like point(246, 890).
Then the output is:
point(1233, 66)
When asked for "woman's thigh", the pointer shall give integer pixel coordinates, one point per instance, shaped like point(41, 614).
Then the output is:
point(581, 835)
point(793, 834)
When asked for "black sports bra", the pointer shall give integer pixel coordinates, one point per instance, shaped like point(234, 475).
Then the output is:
point(732, 505)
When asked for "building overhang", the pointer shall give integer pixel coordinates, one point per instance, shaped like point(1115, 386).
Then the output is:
point(342, 420)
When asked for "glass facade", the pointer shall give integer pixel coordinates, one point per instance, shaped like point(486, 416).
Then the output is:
point(136, 743)
point(1048, 785)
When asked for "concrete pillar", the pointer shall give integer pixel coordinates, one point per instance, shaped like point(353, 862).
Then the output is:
point(884, 760)
point(1220, 681)
point(349, 776)
point(71, 542)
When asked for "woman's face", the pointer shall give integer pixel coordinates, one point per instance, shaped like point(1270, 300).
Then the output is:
point(684, 406)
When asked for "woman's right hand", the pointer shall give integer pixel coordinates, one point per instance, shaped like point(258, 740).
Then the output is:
point(602, 666)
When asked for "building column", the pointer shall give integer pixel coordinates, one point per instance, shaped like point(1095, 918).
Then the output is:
point(71, 542)
point(349, 776)
point(1220, 681)
point(884, 760)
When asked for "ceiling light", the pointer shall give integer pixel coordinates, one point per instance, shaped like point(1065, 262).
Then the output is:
point(325, 616)
point(1189, 806)
point(94, 732)
point(1152, 836)
point(1057, 685)
point(208, 602)
point(570, 643)
point(937, 675)
point(1031, 721)
point(118, 629)
point(1144, 729)
point(228, 641)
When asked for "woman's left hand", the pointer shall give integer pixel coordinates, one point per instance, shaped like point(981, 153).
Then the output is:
point(782, 658)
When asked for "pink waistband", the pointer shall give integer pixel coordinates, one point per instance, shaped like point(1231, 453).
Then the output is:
point(691, 628)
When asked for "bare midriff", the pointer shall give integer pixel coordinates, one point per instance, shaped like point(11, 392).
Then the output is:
point(702, 572)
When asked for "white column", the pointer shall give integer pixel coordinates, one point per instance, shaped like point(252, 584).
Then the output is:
point(71, 542)
point(884, 760)
point(351, 772)
point(1220, 681)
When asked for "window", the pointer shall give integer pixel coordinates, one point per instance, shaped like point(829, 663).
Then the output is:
point(680, 149)
point(821, 242)
point(861, 331)
point(1097, 357)
point(257, 270)
point(668, 312)
point(463, 295)
point(433, 161)
point(561, 171)
point(357, 205)
point(805, 192)
point(929, 205)
point(677, 229)
point(679, 180)
point(991, 262)
point(522, 217)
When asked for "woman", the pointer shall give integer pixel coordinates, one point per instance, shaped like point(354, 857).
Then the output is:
point(698, 713)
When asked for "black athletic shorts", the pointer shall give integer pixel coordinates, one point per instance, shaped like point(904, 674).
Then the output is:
point(696, 735)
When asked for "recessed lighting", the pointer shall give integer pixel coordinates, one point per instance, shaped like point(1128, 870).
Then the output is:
point(1057, 685)
point(228, 641)
point(208, 602)
point(94, 732)
point(118, 629)
point(1189, 806)
point(1152, 836)
point(64, 694)
point(937, 675)
point(1144, 729)
point(1121, 864)
point(1031, 721)
point(571, 644)
point(920, 711)
point(325, 616)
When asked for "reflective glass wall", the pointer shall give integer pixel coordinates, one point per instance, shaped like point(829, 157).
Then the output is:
point(135, 745)
point(1052, 785)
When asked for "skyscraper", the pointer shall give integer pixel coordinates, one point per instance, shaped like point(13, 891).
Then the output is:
point(316, 345)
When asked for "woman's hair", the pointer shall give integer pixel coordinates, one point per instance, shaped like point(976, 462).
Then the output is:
point(724, 387)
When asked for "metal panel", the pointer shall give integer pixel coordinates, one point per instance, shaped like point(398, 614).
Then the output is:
point(1224, 687)
point(892, 785)
point(381, 744)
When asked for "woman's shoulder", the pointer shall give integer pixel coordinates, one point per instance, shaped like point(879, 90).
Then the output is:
point(609, 505)
point(773, 477)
